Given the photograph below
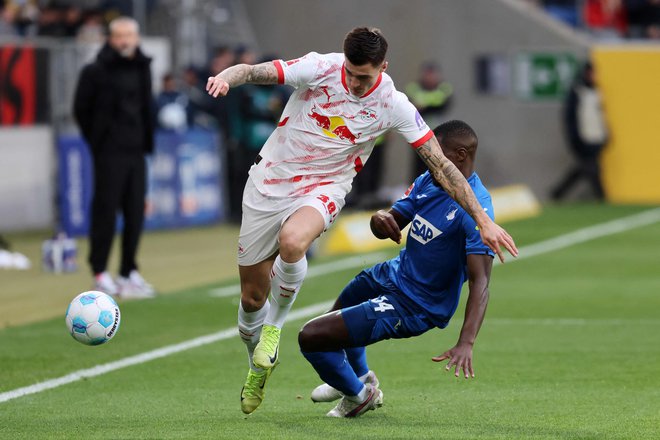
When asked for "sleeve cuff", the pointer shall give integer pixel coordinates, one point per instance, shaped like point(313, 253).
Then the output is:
point(422, 140)
point(280, 71)
point(403, 214)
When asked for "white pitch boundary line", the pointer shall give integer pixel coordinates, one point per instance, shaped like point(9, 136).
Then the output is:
point(149, 356)
point(580, 236)
point(572, 321)
point(611, 227)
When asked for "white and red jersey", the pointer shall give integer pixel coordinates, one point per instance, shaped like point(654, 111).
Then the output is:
point(326, 134)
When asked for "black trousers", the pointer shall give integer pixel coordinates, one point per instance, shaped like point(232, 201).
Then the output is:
point(588, 169)
point(120, 182)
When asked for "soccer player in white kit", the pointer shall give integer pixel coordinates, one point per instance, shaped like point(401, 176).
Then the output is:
point(341, 104)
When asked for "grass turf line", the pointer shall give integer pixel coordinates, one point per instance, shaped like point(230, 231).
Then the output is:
point(533, 381)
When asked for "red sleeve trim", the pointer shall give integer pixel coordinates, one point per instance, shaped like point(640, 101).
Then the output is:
point(280, 71)
point(419, 142)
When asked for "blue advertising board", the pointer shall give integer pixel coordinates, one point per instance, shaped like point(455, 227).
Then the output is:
point(185, 187)
point(74, 184)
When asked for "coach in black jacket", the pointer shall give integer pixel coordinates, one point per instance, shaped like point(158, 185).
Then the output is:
point(113, 107)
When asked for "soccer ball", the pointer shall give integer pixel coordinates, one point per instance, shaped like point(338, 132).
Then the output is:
point(93, 318)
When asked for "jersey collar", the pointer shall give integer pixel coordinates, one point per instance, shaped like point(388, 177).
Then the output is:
point(369, 92)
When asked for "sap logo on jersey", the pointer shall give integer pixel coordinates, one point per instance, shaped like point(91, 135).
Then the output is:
point(423, 231)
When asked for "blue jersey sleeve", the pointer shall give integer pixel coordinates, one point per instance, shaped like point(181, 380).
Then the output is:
point(406, 204)
point(473, 243)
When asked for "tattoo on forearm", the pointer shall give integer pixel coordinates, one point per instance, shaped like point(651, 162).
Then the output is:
point(239, 74)
point(450, 178)
point(236, 75)
point(265, 73)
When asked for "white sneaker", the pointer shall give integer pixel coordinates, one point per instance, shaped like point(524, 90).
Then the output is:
point(348, 408)
point(103, 282)
point(141, 283)
point(326, 393)
point(134, 287)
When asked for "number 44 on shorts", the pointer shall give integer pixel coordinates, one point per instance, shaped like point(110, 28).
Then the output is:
point(382, 304)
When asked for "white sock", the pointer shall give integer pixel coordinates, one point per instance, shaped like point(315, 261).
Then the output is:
point(249, 328)
point(284, 287)
point(361, 397)
point(364, 377)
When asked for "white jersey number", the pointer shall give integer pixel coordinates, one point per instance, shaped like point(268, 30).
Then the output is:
point(382, 304)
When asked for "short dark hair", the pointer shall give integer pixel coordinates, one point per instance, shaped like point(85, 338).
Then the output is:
point(365, 45)
point(454, 128)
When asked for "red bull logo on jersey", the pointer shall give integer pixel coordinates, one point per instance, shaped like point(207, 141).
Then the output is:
point(334, 126)
point(422, 230)
point(367, 114)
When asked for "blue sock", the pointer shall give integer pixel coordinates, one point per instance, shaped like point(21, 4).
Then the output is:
point(333, 368)
point(357, 357)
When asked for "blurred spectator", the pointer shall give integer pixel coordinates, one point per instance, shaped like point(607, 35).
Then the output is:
point(23, 14)
point(606, 19)
point(245, 55)
point(7, 16)
point(59, 19)
point(223, 57)
point(193, 89)
point(586, 130)
point(92, 28)
point(255, 112)
point(72, 18)
point(51, 22)
point(643, 18)
point(432, 96)
point(63, 18)
point(171, 106)
point(113, 106)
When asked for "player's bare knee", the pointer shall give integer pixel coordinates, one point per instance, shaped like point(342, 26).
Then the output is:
point(308, 337)
point(252, 300)
point(293, 245)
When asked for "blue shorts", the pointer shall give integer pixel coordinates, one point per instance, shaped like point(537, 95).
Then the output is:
point(373, 311)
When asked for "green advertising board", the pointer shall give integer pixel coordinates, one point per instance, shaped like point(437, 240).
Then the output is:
point(543, 75)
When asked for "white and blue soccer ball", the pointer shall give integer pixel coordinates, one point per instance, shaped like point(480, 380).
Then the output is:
point(93, 318)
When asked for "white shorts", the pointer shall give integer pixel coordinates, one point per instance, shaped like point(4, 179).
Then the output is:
point(264, 216)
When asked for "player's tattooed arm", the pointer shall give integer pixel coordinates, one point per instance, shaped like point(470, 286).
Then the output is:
point(452, 181)
point(264, 73)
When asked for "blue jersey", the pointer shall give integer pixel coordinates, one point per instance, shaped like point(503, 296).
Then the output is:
point(432, 268)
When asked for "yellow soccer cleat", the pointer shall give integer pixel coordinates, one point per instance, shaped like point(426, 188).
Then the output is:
point(253, 391)
point(265, 353)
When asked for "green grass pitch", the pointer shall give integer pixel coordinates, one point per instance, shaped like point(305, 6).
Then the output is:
point(570, 349)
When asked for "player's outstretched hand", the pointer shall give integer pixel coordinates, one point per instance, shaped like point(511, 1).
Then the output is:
point(217, 86)
point(383, 225)
point(495, 237)
point(460, 357)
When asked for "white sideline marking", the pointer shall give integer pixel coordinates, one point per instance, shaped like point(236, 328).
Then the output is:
point(314, 271)
point(149, 356)
point(572, 321)
point(611, 227)
point(580, 236)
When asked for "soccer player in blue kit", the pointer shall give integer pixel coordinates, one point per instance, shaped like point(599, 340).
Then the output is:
point(411, 293)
